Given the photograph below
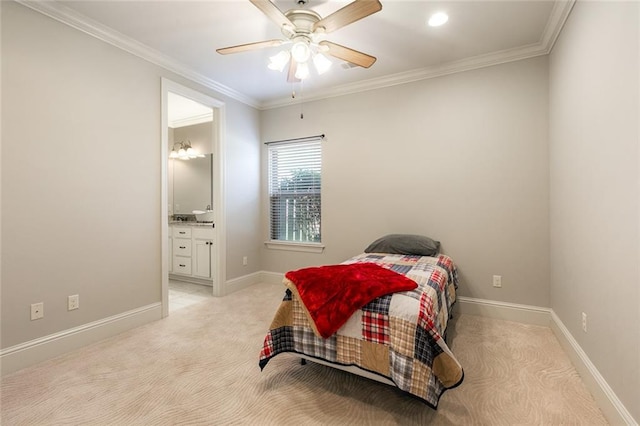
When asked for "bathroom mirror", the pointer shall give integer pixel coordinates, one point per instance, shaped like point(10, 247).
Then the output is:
point(192, 184)
point(190, 179)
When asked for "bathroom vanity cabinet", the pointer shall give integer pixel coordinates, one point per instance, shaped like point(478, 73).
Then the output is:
point(190, 252)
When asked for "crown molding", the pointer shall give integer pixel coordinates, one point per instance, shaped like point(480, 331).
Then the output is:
point(68, 16)
point(190, 121)
point(555, 23)
point(557, 18)
point(476, 62)
point(61, 13)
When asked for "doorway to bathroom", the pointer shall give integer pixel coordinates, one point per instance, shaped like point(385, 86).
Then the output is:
point(192, 218)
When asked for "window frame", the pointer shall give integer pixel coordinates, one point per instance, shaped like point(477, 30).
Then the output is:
point(291, 245)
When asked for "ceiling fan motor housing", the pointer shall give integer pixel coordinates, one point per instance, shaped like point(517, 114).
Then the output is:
point(306, 29)
point(303, 21)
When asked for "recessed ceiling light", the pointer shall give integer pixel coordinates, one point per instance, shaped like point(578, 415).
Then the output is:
point(438, 19)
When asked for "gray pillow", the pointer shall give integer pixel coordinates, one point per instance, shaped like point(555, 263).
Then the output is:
point(405, 244)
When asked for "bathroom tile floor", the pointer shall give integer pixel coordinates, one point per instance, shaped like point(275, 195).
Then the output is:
point(182, 294)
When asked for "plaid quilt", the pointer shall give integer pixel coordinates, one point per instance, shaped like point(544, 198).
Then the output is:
point(398, 336)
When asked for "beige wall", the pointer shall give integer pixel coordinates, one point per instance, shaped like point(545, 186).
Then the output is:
point(79, 214)
point(242, 209)
point(595, 199)
point(461, 158)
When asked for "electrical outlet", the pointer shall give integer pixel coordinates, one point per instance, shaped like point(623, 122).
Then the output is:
point(244, 261)
point(73, 302)
point(497, 281)
point(584, 322)
point(37, 311)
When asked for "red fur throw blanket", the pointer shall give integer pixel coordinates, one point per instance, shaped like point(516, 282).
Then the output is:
point(331, 294)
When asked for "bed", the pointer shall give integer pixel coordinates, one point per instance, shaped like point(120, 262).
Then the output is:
point(396, 338)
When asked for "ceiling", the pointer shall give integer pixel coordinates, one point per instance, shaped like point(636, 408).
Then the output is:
point(182, 112)
point(183, 36)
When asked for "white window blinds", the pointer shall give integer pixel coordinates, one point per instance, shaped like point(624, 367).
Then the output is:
point(294, 190)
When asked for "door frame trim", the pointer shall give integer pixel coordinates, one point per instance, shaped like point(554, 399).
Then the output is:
point(218, 257)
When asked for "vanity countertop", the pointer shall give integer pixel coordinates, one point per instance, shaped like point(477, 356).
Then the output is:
point(190, 223)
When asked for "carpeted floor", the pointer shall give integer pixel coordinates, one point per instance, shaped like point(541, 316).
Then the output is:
point(199, 366)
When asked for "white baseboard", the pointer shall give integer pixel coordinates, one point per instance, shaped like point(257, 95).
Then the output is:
point(34, 351)
point(526, 314)
point(192, 280)
point(612, 408)
point(242, 282)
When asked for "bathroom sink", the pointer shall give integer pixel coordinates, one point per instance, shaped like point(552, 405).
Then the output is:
point(203, 215)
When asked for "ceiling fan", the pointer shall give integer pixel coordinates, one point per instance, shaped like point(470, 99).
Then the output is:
point(304, 29)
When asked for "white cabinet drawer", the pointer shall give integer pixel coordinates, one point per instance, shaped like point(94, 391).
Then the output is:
point(181, 265)
point(181, 247)
point(181, 232)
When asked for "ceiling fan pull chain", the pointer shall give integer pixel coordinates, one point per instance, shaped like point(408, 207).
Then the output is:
point(301, 100)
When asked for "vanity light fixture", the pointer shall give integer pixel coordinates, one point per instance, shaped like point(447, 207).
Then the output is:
point(185, 151)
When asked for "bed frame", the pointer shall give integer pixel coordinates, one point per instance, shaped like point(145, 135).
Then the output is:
point(348, 368)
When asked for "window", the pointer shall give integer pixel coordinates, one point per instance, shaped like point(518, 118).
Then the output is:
point(294, 190)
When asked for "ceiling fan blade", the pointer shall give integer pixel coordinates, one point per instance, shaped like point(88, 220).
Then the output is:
point(249, 46)
point(273, 13)
point(346, 54)
point(352, 12)
point(291, 76)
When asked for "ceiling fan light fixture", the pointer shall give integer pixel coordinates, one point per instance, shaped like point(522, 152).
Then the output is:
point(437, 19)
point(300, 51)
point(279, 61)
point(322, 63)
point(302, 71)
point(304, 30)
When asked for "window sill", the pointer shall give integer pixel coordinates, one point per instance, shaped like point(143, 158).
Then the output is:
point(293, 246)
